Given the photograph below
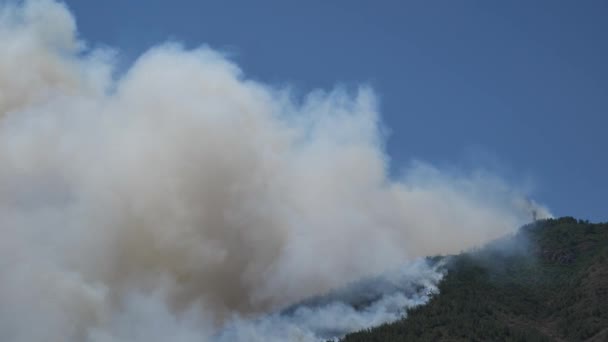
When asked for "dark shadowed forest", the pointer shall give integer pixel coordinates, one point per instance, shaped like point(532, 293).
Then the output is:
point(550, 283)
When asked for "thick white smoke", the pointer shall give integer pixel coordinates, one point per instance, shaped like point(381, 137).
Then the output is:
point(361, 305)
point(183, 198)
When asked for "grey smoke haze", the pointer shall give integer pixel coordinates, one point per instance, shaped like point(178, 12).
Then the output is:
point(181, 196)
point(360, 305)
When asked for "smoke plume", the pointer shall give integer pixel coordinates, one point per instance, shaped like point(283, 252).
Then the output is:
point(182, 201)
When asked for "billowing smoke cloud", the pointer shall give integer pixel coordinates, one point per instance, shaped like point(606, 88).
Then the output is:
point(182, 198)
point(361, 305)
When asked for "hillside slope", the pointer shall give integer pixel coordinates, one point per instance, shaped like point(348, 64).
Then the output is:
point(547, 283)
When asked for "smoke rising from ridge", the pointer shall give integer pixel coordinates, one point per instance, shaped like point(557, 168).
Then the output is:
point(168, 201)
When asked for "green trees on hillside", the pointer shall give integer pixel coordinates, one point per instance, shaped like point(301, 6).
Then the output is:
point(555, 289)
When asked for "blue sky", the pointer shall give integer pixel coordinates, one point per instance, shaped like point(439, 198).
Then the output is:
point(517, 87)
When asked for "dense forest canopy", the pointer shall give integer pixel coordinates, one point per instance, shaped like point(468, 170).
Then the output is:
point(555, 288)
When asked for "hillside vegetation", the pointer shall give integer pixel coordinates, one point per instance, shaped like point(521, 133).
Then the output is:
point(547, 283)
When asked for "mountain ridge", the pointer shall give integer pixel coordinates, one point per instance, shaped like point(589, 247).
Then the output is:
point(545, 283)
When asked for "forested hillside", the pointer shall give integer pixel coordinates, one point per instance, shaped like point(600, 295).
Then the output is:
point(547, 283)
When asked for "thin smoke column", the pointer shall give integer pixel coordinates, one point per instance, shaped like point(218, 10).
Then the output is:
point(177, 197)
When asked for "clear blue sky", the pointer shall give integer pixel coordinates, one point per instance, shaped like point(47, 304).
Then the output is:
point(519, 86)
